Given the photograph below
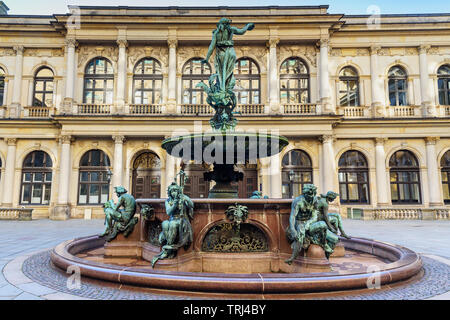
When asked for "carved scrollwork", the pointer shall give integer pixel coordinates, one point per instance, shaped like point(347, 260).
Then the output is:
point(223, 238)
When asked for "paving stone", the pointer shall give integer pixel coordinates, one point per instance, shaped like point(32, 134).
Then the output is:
point(9, 290)
point(35, 289)
point(27, 296)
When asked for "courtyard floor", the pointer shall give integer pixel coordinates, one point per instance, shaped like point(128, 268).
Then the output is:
point(22, 240)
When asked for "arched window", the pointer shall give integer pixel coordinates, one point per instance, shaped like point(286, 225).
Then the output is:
point(349, 87)
point(294, 81)
point(147, 82)
point(445, 172)
point(248, 82)
point(93, 182)
point(2, 87)
point(194, 72)
point(398, 88)
point(405, 178)
point(36, 179)
point(296, 172)
point(43, 88)
point(353, 178)
point(98, 82)
point(147, 176)
point(444, 85)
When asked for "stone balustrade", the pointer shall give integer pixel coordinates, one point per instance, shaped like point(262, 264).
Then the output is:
point(442, 214)
point(95, 109)
point(403, 111)
point(308, 108)
point(15, 213)
point(352, 112)
point(146, 109)
point(196, 109)
point(37, 112)
point(250, 109)
point(397, 214)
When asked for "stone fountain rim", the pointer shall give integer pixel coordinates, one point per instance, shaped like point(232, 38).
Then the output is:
point(408, 265)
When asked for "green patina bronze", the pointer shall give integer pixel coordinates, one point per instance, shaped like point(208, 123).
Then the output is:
point(119, 220)
point(177, 231)
point(220, 95)
point(310, 222)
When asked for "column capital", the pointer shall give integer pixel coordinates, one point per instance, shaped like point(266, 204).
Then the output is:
point(424, 48)
point(380, 141)
point(71, 42)
point(11, 141)
point(19, 50)
point(327, 138)
point(373, 49)
point(431, 140)
point(66, 139)
point(324, 42)
point(172, 43)
point(122, 43)
point(273, 42)
point(118, 139)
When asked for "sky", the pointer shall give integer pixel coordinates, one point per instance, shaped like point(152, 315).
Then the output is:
point(49, 7)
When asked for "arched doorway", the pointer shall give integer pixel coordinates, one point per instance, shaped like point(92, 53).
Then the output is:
point(196, 186)
point(147, 176)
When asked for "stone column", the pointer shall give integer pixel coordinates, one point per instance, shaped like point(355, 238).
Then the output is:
point(121, 75)
point(10, 168)
point(70, 76)
point(118, 160)
point(172, 77)
point(5, 93)
point(275, 177)
point(380, 167)
point(427, 107)
point(434, 183)
point(62, 210)
point(17, 90)
point(329, 164)
point(325, 90)
point(378, 109)
point(274, 100)
point(170, 171)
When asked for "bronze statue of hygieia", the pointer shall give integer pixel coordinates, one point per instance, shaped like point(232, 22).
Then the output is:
point(119, 220)
point(310, 222)
point(220, 95)
point(177, 230)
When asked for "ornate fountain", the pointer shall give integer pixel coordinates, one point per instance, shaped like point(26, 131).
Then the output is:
point(226, 244)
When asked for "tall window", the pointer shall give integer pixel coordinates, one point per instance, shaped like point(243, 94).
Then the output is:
point(194, 72)
point(93, 184)
point(296, 172)
point(2, 87)
point(147, 82)
point(294, 81)
point(445, 172)
point(398, 95)
point(348, 87)
point(36, 179)
point(405, 179)
point(43, 88)
point(98, 82)
point(444, 85)
point(247, 81)
point(353, 178)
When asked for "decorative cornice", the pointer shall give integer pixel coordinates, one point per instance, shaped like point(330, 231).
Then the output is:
point(19, 50)
point(11, 141)
point(119, 139)
point(431, 140)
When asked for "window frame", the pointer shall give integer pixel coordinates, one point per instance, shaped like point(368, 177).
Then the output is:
point(44, 92)
point(154, 77)
point(346, 80)
point(446, 86)
point(2, 87)
point(299, 77)
point(397, 91)
point(46, 169)
point(410, 183)
point(194, 77)
point(297, 169)
point(346, 170)
point(102, 170)
point(98, 77)
point(445, 167)
point(250, 77)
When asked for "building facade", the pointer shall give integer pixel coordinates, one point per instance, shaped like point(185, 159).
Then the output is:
point(87, 98)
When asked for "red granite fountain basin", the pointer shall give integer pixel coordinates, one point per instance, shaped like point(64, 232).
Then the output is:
point(126, 260)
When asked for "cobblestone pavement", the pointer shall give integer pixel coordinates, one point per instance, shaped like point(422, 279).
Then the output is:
point(20, 241)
